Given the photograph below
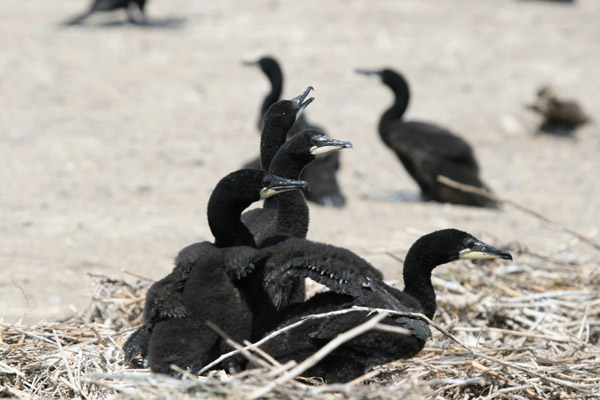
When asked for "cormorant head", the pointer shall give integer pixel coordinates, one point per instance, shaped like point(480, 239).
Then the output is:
point(273, 184)
point(239, 189)
point(316, 143)
point(267, 64)
point(386, 76)
point(448, 245)
point(285, 112)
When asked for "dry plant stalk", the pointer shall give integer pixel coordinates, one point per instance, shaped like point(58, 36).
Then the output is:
point(482, 192)
point(534, 335)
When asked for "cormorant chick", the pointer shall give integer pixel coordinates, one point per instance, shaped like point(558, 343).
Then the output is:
point(560, 116)
point(288, 213)
point(110, 5)
point(320, 175)
point(285, 216)
point(374, 347)
point(428, 150)
point(164, 300)
point(279, 119)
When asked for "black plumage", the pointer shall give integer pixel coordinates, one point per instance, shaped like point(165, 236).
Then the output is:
point(288, 214)
point(285, 216)
point(201, 284)
point(110, 5)
point(427, 150)
point(334, 267)
point(321, 174)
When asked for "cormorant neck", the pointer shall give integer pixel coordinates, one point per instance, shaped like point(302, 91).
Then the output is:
point(276, 79)
point(224, 220)
point(417, 279)
point(292, 210)
point(271, 139)
point(396, 111)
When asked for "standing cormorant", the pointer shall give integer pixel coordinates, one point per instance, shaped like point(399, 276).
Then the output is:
point(200, 287)
point(350, 279)
point(321, 174)
point(110, 5)
point(427, 150)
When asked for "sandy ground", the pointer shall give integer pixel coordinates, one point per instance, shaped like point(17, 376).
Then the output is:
point(113, 136)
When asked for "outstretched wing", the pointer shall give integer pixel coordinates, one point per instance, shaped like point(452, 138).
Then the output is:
point(337, 268)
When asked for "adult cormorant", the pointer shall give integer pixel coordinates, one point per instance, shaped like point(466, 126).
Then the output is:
point(203, 275)
point(349, 278)
point(427, 150)
point(321, 174)
point(110, 5)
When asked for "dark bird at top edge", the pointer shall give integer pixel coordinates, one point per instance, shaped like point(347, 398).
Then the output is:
point(110, 5)
point(354, 282)
point(321, 174)
point(201, 286)
point(427, 150)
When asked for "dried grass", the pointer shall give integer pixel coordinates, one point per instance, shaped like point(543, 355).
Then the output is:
point(527, 330)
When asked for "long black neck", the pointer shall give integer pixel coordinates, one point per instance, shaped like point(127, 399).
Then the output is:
point(292, 210)
point(276, 79)
point(417, 279)
point(396, 111)
point(271, 139)
point(224, 220)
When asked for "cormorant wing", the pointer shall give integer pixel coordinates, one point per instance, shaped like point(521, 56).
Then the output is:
point(419, 327)
point(337, 268)
point(335, 325)
point(418, 140)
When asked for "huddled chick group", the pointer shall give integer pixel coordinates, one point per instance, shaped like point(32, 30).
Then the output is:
point(249, 281)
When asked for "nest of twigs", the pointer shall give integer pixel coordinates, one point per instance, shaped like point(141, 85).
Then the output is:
point(526, 330)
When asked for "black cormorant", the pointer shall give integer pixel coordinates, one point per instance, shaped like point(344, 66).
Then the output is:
point(288, 213)
point(196, 280)
point(321, 174)
point(427, 150)
point(110, 5)
point(286, 217)
point(374, 347)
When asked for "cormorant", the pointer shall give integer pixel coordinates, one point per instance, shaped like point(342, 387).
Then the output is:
point(321, 174)
point(203, 272)
point(350, 279)
point(427, 150)
point(285, 216)
point(110, 5)
point(288, 213)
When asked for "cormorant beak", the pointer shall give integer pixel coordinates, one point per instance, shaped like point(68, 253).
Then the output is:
point(300, 102)
point(280, 185)
point(328, 145)
point(372, 73)
point(481, 250)
point(250, 63)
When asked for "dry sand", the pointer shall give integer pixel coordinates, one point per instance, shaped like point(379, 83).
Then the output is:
point(112, 136)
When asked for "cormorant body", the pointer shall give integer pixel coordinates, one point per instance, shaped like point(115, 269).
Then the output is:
point(201, 287)
point(321, 174)
point(345, 274)
point(427, 150)
point(110, 5)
